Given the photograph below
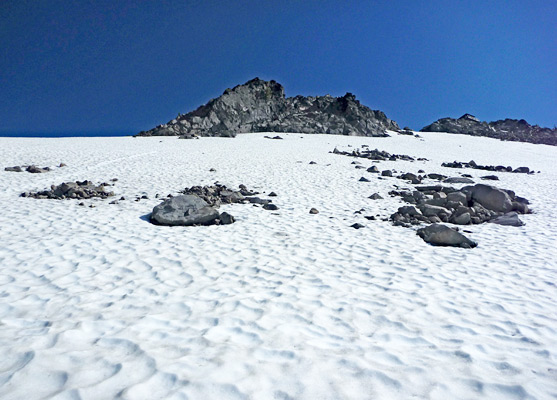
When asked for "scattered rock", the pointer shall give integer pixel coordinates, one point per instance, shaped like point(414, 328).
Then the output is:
point(373, 169)
point(375, 196)
point(274, 137)
point(14, 169)
point(270, 207)
point(357, 226)
point(387, 172)
point(272, 194)
point(363, 179)
point(313, 211)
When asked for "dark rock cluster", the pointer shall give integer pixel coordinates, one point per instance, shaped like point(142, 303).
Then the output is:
point(198, 205)
point(33, 169)
point(507, 129)
point(375, 155)
point(492, 168)
point(261, 106)
point(470, 205)
point(73, 190)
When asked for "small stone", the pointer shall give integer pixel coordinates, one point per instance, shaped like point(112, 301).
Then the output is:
point(362, 179)
point(314, 211)
point(357, 226)
point(272, 194)
point(270, 207)
point(375, 196)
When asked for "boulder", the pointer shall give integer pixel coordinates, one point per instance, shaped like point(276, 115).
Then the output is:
point(375, 196)
point(490, 197)
point(387, 172)
point(442, 235)
point(184, 210)
point(373, 169)
point(14, 169)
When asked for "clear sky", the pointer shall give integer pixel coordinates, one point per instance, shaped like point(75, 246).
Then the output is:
point(124, 66)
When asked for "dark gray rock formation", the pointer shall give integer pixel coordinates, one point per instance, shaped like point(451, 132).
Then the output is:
point(184, 210)
point(260, 106)
point(470, 205)
point(507, 129)
point(441, 235)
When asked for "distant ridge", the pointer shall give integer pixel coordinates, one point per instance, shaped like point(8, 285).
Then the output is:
point(261, 106)
point(505, 129)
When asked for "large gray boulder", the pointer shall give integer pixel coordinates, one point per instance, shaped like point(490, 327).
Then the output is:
point(184, 210)
point(261, 106)
point(441, 235)
point(490, 197)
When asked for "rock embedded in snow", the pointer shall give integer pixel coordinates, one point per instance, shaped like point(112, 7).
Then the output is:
point(442, 235)
point(184, 210)
point(375, 196)
point(261, 106)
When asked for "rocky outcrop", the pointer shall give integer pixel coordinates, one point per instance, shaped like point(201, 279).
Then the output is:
point(261, 106)
point(506, 129)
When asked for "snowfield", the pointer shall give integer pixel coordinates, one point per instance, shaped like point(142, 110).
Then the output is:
point(97, 303)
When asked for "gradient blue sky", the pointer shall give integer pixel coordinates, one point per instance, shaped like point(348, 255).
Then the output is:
point(124, 66)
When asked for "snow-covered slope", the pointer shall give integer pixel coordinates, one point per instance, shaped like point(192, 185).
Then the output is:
point(97, 303)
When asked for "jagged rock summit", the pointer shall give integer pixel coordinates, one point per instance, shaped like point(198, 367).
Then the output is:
point(261, 106)
point(505, 129)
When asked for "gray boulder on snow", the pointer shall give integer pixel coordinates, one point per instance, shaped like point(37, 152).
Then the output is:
point(184, 210)
point(508, 219)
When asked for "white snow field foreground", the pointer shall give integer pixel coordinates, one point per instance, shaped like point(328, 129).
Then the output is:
point(97, 303)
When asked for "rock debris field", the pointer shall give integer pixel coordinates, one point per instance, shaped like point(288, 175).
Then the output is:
point(285, 299)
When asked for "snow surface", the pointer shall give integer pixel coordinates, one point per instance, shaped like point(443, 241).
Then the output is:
point(97, 303)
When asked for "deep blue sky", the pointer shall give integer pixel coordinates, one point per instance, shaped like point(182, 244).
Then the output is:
point(125, 66)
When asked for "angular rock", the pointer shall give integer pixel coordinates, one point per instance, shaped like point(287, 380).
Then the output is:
point(226, 219)
point(375, 196)
point(314, 211)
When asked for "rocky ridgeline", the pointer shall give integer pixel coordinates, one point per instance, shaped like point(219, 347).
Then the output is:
point(261, 106)
point(198, 206)
point(73, 190)
point(493, 168)
point(507, 129)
